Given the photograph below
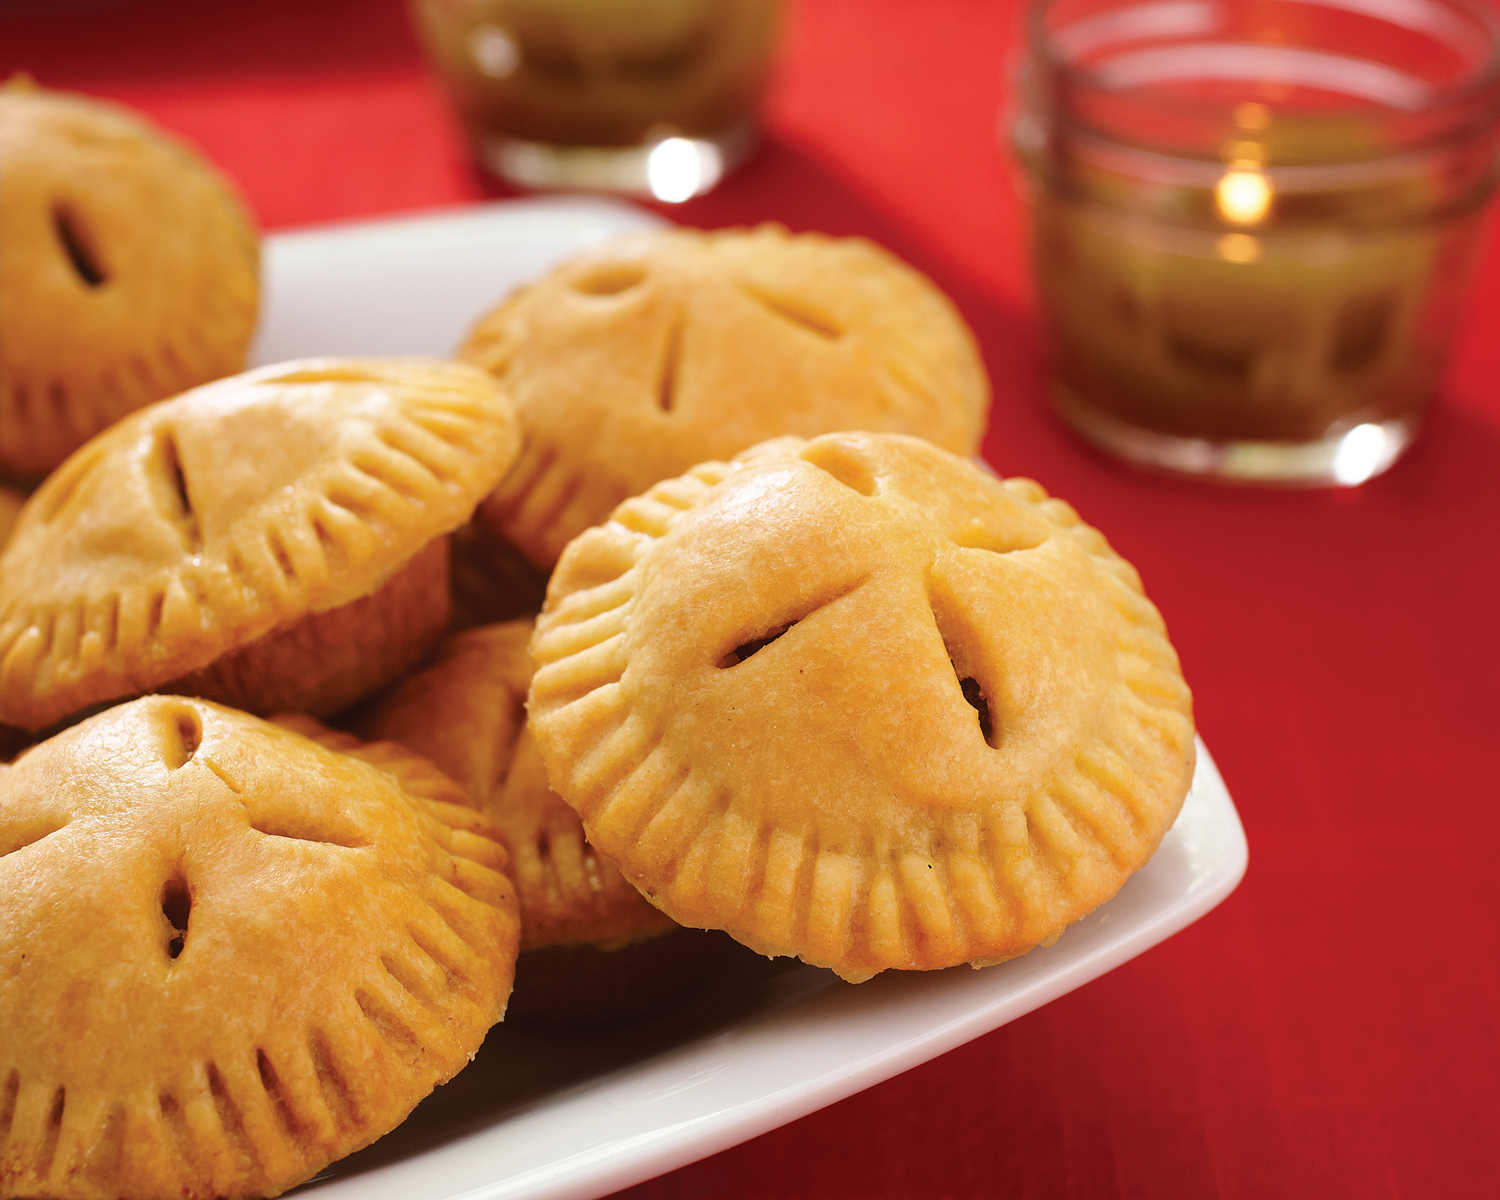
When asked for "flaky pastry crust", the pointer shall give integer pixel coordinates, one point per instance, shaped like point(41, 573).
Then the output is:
point(129, 271)
point(660, 350)
point(855, 700)
point(202, 523)
point(229, 955)
point(466, 712)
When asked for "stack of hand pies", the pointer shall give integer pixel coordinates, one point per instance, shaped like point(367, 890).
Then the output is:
point(306, 769)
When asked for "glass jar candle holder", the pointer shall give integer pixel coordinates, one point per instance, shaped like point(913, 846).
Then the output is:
point(646, 97)
point(1253, 222)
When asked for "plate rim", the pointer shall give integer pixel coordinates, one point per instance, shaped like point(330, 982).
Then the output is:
point(605, 1167)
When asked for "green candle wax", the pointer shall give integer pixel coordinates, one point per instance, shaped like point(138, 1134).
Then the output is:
point(1163, 328)
point(601, 72)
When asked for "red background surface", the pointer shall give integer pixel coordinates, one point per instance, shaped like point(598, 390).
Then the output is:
point(1332, 1029)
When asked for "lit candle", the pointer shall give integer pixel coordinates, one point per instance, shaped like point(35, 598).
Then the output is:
point(653, 97)
point(1233, 285)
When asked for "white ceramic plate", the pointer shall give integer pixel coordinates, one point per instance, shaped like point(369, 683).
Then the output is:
point(541, 1116)
point(414, 285)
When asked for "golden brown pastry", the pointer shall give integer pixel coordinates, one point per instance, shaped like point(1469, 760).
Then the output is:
point(466, 712)
point(593, 950)
point(659, 350)
point(229, 955)
point(273, 540)
point(129, 271)
point(12, 740)
point(855, 700)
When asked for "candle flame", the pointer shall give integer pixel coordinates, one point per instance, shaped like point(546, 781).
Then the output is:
point(1243, 196)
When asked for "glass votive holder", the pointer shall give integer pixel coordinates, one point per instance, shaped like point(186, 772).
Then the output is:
point(1253, 222)
point(654, 98)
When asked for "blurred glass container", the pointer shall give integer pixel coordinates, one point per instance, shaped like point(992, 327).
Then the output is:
point(644, 97)
point(1254, 221)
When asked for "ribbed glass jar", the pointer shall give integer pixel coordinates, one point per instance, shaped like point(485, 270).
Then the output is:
point(1254, 222)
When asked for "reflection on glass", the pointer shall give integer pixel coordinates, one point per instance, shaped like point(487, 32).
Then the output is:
point(678, 168)
point(1364, 451)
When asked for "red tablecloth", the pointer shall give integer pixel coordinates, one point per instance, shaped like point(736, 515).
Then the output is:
point(1334, 1028)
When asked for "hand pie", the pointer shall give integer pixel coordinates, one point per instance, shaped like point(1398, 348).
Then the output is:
point(129, 271)
point(466, 712)
point(592, 948)
point(274, 540)
point(855, 700)
point(660, 350)
point(229, 955)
